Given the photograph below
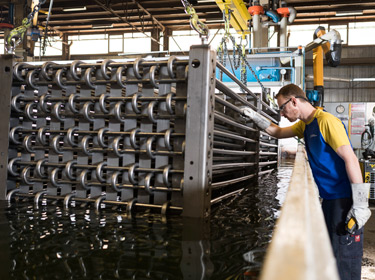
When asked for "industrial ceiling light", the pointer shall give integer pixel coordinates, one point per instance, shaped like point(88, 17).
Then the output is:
point(349, 13)
point(215, 21)
point(363, 80)
point(75, 9)
point(101, 26)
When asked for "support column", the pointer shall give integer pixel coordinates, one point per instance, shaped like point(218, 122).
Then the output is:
point(6, 74)
point(65, 47)
point(283, 33)
point(19, 15)
point(155, 33)
point(199, 132)
point(167, 33)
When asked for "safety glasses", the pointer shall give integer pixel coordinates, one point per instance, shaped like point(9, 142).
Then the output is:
point(282, 107)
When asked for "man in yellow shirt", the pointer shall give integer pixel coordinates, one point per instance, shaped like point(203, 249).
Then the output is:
point(335, 169)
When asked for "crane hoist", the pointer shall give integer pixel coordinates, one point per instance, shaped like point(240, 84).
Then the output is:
point(328, 44)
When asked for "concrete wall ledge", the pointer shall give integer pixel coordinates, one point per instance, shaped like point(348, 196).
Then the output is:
point(300, 248)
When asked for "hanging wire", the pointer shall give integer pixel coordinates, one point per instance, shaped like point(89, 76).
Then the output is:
point(46, 28)
point(178, 45)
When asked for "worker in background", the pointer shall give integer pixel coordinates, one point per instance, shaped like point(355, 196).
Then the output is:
point(336, 171)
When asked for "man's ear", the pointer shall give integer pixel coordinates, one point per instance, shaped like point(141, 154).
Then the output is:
point(294, 101)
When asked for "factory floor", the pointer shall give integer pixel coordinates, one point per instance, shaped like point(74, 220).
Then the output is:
point(368, 261)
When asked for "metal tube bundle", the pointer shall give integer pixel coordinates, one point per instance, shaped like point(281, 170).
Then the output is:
point(141, 133)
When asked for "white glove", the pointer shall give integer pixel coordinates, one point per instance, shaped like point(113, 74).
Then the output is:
point(257, 118)
point(360, 211)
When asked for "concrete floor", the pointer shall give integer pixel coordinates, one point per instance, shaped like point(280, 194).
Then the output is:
point(368, 261)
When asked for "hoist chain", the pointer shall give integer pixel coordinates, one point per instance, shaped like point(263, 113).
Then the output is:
point(16, 35)
point(241, 53)
point(35, 10)
point(243, 66)
point(254, 74)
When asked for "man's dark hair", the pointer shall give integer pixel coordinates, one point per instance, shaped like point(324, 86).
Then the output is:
point(291, 90)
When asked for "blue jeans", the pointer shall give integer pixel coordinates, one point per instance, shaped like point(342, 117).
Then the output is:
point(347, 248)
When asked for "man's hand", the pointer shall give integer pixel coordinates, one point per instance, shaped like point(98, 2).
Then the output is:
point(257, 118)
point(360, 211)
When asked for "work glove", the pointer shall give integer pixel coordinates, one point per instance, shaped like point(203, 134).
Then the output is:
point(360, 211)
point(257, 118)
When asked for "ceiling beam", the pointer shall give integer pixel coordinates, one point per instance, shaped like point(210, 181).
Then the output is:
point(298, 3)
point(104, 7)
point(153, 18)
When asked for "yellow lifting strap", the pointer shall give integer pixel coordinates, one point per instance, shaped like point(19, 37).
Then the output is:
point(239, 15)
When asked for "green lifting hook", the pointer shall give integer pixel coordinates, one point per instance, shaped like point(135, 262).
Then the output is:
point(17, 34)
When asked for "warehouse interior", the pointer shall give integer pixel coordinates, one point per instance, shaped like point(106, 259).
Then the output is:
point(125, 152)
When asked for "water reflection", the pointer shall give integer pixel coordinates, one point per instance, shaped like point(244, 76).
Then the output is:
point(79, 243)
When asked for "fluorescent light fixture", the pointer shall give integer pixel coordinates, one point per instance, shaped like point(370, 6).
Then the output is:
point(363, 80)
point(102, 26)
point(215, 21)
point(349, 13)
point(75, 9)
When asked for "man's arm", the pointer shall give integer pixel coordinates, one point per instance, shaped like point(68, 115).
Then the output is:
point(359, 211)
point(265, 124)
point(351, 163)
point(280, 132)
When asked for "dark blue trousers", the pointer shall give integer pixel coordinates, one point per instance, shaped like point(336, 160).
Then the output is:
point(347, 248)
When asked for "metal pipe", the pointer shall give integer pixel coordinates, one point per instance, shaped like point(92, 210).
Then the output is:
point(232, 136)
point(79, 99)
point(227, 91)
point(283, 33)
point(86, 166)
point(257, 31)
point(261, 173)
point(226, 129)
point(92, 200)
point(267, 154)
point(267, 163)
point(268, 144)
point(234, 78)
point(230, 165)
point(232, 181)
point(232, 159)
point(221, 172)
point(221, 117)
point(94, 64)
point(228, 145)
point(227, 104)
point(231, 152)
point(219, 199)
point(109, 133)
point(263, 133)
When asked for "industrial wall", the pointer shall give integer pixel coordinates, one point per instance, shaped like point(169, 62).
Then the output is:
point(356, 62)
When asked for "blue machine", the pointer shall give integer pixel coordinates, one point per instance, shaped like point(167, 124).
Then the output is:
point(313, 95)
point(266, 69)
